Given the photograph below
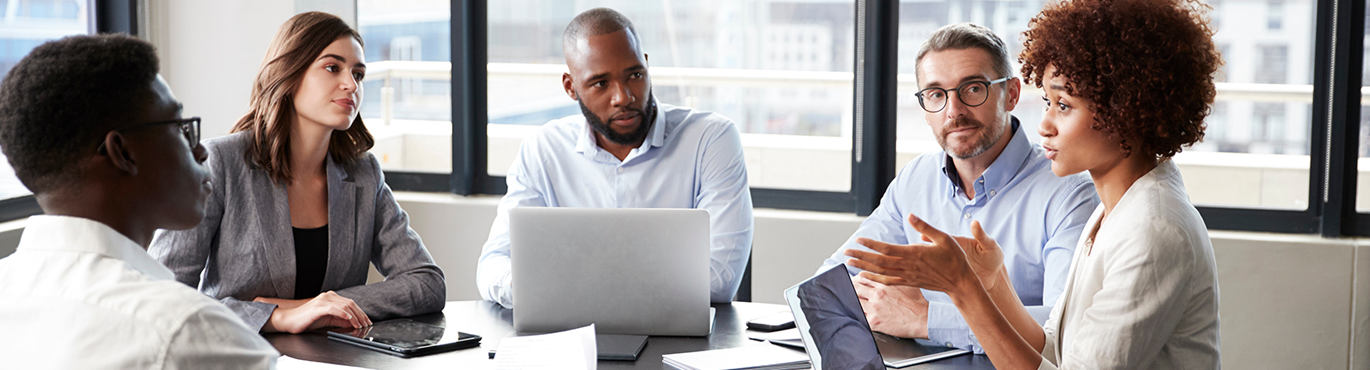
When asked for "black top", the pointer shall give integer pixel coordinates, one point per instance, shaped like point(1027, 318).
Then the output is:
point(311, 260)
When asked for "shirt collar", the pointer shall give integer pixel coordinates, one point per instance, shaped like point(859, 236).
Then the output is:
point(656, 136)
point(1002, 170)
point(74, 234)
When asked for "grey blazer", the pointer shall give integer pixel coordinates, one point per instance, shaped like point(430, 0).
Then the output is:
point(244, 247)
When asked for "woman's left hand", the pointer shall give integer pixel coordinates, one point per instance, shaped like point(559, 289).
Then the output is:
point(940, 265)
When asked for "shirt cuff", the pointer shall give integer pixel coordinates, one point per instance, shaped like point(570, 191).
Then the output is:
point(946, 327)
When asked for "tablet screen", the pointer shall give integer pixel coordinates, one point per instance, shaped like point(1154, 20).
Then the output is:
point(405, 333)
point(830, 318)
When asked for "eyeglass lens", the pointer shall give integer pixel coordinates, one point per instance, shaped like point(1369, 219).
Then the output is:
point(971, 94)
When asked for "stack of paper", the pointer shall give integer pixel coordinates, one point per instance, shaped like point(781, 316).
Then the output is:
point(572, 349)
point(741, 358)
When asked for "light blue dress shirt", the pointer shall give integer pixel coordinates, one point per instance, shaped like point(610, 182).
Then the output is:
point(1035, 217)
point(690, 159)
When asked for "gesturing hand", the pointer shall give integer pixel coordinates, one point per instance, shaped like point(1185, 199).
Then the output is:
point(982, 252)
point(328, 309)
point(940, 265)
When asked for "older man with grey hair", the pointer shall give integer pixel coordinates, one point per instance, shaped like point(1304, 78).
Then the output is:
point(987, 173)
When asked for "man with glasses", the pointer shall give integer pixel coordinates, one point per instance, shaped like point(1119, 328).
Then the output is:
point(91, 128)
point(989, 183)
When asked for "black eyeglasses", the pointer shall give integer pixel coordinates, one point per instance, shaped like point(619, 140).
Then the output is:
point(190, 127)
point(972, 94)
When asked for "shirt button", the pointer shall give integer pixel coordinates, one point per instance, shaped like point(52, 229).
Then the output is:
point(967, 215)
point(620, 170)
point(991, 193)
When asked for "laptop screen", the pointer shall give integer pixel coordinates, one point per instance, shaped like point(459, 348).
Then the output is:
point(829, 317)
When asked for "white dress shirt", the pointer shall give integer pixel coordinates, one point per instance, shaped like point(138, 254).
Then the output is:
point(77, 294)
point(690, 159)
point(1144, 295)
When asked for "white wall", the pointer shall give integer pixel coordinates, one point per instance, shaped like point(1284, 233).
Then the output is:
point(211, 51)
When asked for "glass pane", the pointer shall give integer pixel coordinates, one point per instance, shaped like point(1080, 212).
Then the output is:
point(408, 102)
point(1255, 150)
point(23, 26)
point(782, 71)
point(1363, 164)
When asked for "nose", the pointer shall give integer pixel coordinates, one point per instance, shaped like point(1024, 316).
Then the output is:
point(348, 84)
point(955, 108)
point(1048, 126)
point(622, 96)
point(200, 153)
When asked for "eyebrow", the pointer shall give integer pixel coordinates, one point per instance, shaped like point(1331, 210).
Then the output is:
point(341, 59)
point(604, 75)
point(963, 80)
point(1058, 87)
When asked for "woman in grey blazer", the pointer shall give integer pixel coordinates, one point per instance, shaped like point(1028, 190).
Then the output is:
point(299, 209)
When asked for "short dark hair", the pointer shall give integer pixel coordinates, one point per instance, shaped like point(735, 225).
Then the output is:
point(58, 103)
point(595, 22)
point(1146, 65)
point(961, 36)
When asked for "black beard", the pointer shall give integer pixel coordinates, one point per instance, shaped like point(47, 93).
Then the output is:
point(622, 139)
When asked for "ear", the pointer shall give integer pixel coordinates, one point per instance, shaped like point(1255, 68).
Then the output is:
point(566, 83)
point(118, 153)
point(1013, 87)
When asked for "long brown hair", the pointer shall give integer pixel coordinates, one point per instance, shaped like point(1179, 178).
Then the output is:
point(272, 114)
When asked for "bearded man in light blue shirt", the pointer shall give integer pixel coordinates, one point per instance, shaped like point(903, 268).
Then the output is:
point(987, 171)
point(626, 151)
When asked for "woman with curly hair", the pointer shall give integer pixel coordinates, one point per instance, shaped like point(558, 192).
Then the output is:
point(1128, 84)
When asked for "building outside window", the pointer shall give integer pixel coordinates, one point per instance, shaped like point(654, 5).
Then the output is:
point(24, 24)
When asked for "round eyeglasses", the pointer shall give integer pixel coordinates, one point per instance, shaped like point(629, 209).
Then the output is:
point(972, 94)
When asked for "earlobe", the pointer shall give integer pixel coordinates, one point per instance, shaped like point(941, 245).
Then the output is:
point(118, 154)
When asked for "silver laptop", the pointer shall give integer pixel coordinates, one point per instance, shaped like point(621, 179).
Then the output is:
point(628, 271)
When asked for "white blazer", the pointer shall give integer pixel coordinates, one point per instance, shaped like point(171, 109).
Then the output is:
point(1144, 294)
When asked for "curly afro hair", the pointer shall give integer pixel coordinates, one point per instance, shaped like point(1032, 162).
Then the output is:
point(1146, 65)
point(60, 100)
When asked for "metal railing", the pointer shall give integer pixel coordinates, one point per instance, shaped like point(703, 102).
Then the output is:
point(388, 71)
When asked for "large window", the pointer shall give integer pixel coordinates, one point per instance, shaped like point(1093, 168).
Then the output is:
point(781, 70)
point(822, 92)
point(408, 102)
point(1255, 151)
point(24, 24)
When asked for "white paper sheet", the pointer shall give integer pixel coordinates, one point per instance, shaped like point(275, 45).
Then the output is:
point(291, 363)
point(571, 349)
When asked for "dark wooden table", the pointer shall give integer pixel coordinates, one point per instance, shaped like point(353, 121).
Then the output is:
point(493, 323)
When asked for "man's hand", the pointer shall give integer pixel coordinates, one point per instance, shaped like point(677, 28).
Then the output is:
point(900, 311)
point(328, 309)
